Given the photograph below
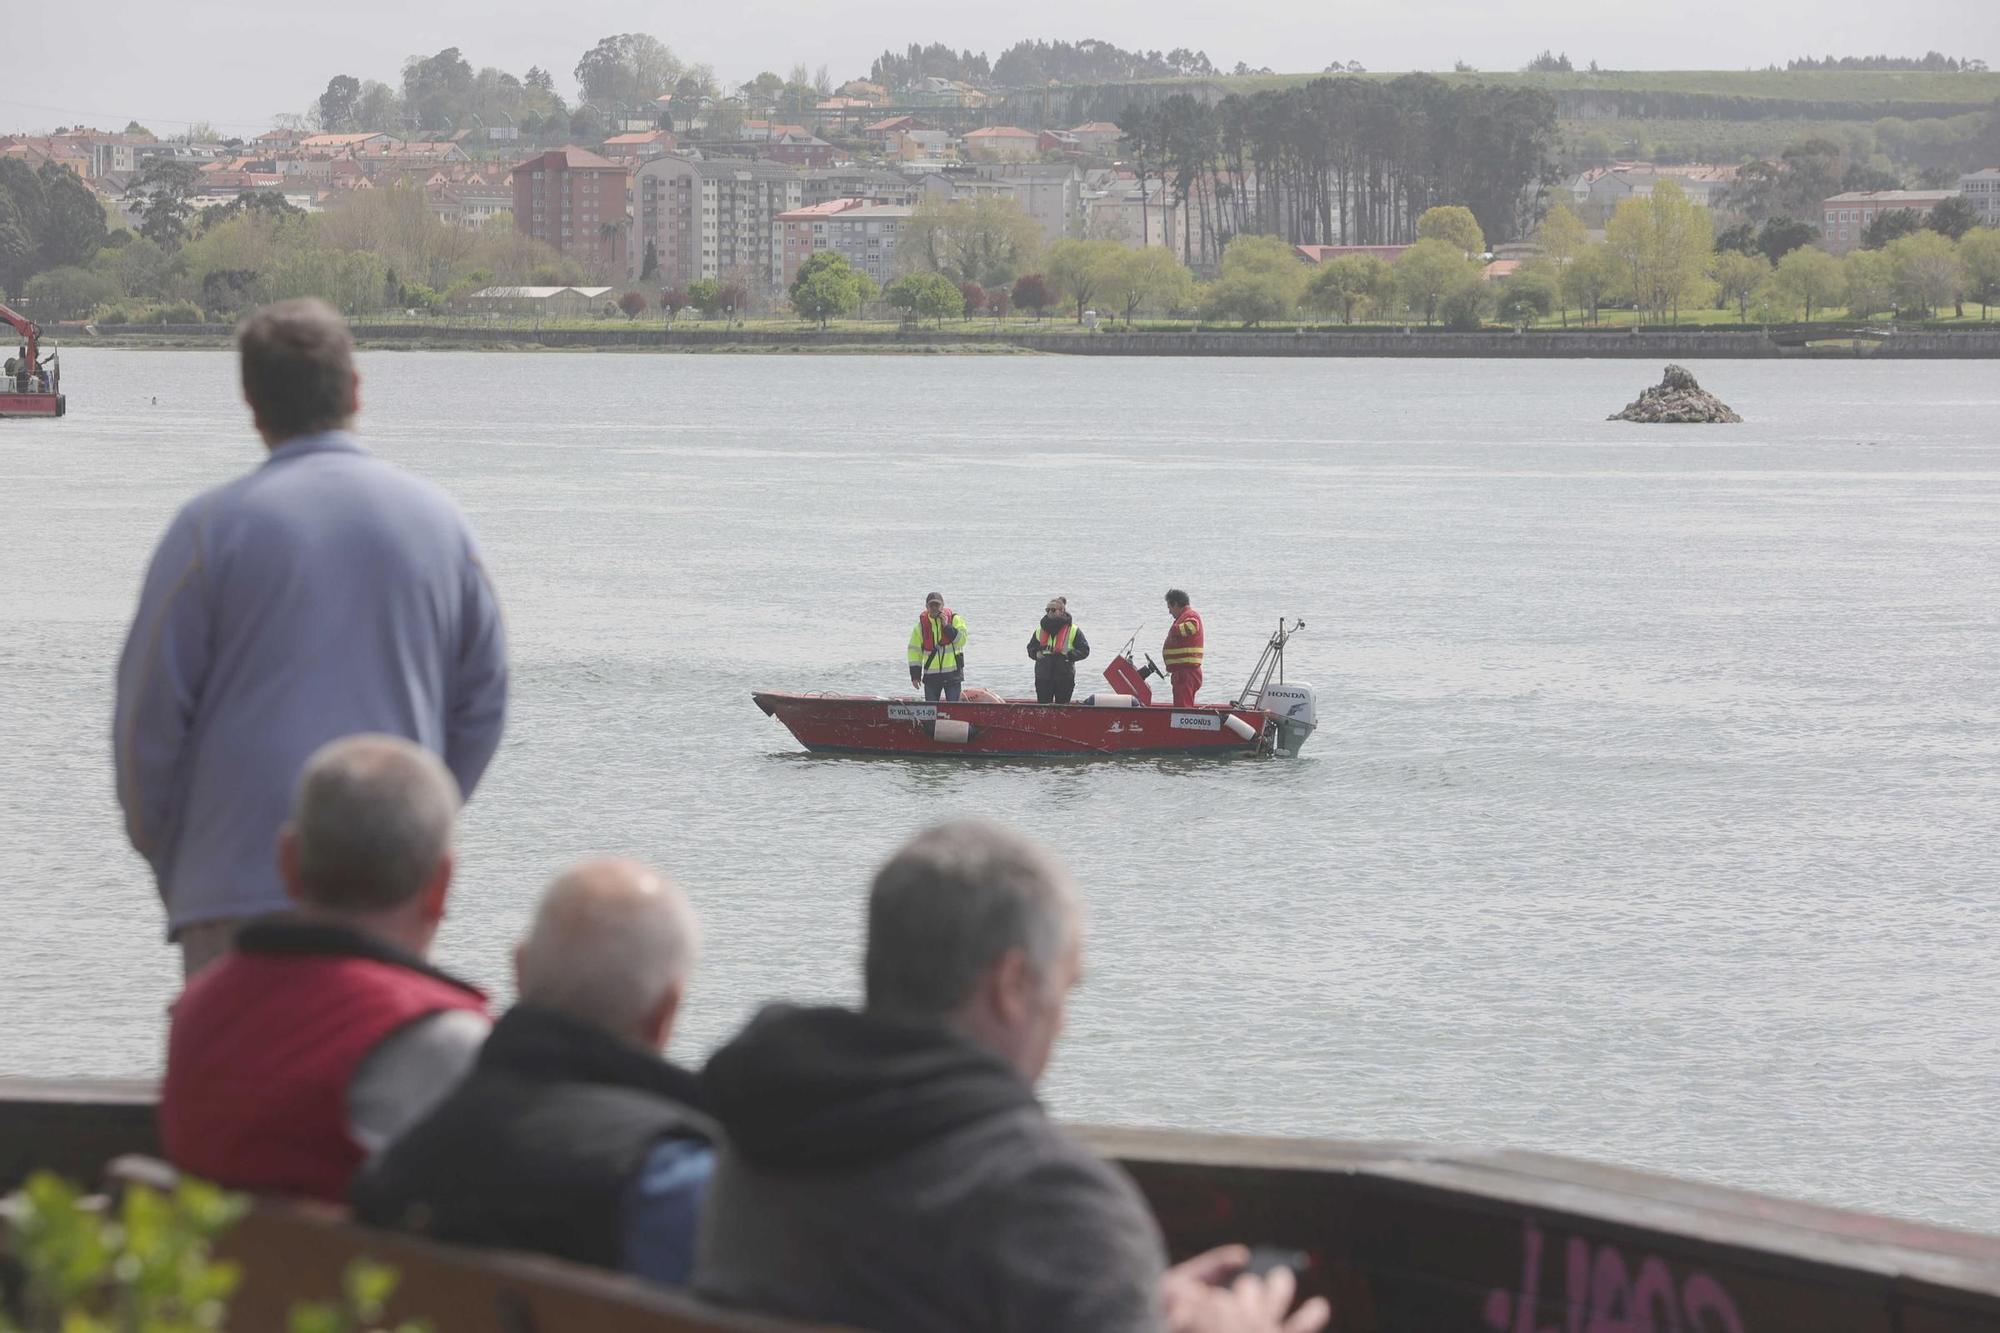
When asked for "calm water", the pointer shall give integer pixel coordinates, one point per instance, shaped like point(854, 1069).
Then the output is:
point(1651, 818)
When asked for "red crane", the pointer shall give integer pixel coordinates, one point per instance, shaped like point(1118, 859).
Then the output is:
point(28, 329)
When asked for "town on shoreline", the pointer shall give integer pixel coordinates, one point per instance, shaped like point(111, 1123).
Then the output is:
point(933, 195)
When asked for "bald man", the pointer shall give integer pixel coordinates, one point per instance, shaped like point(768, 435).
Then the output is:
point(572, 1136)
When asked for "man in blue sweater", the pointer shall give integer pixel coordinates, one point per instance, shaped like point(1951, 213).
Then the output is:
point(325, 593)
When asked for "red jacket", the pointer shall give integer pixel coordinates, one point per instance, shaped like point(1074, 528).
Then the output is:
point(1185, 640)
point(264, 1043)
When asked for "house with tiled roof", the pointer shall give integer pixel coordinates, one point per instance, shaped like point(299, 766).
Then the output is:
point(1002, 143)
point(1098, 136)
point(639, 146)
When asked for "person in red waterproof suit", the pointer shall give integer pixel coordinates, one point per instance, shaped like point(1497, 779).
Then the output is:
point(1182, 650)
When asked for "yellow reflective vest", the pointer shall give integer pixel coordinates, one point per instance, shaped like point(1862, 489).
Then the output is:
point(928, 648)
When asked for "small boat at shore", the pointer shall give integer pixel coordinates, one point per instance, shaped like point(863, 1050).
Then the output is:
point(1270, 716)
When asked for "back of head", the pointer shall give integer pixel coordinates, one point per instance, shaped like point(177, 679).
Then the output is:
point(373, 818)
point(1176, 598)
point(610, 939)
point(298, 368)
point(947, 906)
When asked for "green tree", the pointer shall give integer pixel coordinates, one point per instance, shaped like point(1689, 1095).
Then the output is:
point(339, 103)
point(1953, 217)
point(162, 192)
point(1431, 270)
point(1455, 225)
point(23, 218)
point(1780, 236)
point(1869, 280)
point(437, 90)
point(1077, 271)
point(1529, 293)
point(1339, 285)
point(624, 73)
point(70, 292)
point(1261, 279)
point(1590, 278)
point(1663, 244)
point(1979, 253)
point(73, 228)
point(1886, 227)
point(826, 286)
point(705, 295)
point(1150, 278)
point(1926, 271)
point(1809, 279)
point(379, 108)
point(926, 296)
point(986, 240)
point(1737, 276)
point(1562, 237)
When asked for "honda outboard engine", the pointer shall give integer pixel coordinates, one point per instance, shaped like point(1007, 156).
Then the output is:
point(1297, 712)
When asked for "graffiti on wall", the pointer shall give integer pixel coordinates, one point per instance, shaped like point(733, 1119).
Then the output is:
point(1605, 1288)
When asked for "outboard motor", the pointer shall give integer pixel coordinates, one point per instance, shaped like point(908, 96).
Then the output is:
point(1297, 712)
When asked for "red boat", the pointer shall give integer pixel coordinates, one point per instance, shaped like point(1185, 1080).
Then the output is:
point(1270, 717)
point(35, 388)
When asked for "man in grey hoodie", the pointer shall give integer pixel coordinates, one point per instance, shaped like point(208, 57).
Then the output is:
point(890, 1169)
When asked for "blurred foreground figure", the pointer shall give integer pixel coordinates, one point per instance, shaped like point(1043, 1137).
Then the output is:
point(571, 1137)
point(891, 1169)
point(324, 594)
point(320, 1037)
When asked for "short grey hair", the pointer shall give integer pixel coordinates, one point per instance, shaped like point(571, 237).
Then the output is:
point(610, 937)
point(947, 906)
point(373, 818)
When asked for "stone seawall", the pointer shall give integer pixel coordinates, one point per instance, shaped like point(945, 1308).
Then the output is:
point(1645, 345)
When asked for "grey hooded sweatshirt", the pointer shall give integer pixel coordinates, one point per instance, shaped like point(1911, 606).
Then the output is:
point(886, 1174)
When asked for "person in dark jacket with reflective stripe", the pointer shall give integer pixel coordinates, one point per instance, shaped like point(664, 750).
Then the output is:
point(890, 1169)
point(1055, 648)
point(571, 1136)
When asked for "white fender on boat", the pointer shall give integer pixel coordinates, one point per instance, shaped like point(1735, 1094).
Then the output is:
point(1242, 730)
point(952, 730)
point(1112, 701)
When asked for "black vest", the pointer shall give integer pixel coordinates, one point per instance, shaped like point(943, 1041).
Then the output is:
point(537, 1148)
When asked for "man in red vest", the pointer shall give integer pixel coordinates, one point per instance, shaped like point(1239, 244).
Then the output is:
point(324, 1035)
point(1182, 652)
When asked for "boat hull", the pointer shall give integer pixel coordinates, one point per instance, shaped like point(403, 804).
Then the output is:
point(33, 405)
point(860, 724)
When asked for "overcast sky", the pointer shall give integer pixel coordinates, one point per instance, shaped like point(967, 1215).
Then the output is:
point(236, 63)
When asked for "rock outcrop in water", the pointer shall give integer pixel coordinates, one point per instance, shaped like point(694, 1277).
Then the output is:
point(1676, 398)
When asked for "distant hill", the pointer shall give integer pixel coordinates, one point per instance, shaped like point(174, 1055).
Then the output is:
point(1673, 115)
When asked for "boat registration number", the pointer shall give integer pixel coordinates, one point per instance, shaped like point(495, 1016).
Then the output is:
point(1196, 722)
point(913, 712)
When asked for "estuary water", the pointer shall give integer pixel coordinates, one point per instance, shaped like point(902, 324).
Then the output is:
point(1651, 818)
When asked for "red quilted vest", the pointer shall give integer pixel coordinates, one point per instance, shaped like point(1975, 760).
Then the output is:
point(260, 1053)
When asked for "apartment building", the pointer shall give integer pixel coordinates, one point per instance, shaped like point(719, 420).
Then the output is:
point(864, 234)
point(1982, 190)
point(574, 200)
point(1844, 218)
point(713, 218)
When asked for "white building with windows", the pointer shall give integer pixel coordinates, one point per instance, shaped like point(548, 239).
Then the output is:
point(1982, 190)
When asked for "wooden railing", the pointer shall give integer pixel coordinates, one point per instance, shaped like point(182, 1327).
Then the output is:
point(1401, 1237)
